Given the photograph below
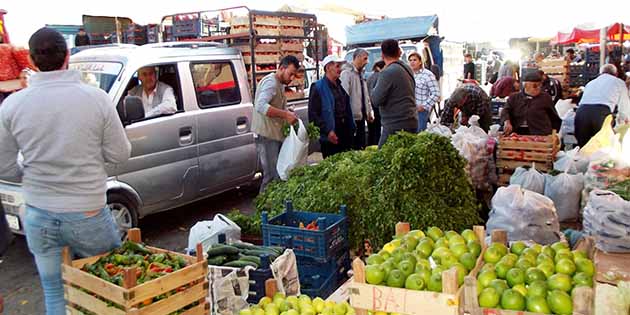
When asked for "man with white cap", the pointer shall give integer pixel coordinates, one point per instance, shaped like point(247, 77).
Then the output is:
point(329, 108)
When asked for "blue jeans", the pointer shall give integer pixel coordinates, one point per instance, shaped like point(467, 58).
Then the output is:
point(423, 118)
point(268, 151)
point(47, 233)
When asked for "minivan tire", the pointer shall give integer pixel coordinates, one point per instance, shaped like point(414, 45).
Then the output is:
point(124, 212)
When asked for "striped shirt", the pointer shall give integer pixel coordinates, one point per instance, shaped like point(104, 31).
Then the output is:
point(427, 89)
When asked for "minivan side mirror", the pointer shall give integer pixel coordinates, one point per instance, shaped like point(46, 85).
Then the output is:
point(133, 108)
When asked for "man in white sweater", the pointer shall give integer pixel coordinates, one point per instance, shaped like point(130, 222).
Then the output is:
point(66, 131)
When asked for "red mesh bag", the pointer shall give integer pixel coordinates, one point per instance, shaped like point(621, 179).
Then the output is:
point(20, 55)
point(8, 68)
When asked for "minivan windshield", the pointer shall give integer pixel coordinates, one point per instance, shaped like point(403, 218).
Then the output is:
point(99, 74)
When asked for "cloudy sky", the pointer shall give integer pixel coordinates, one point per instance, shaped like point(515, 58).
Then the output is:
point(483, 20)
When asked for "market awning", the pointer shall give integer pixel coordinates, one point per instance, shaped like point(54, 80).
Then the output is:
point(579, 36)
point(416, 27)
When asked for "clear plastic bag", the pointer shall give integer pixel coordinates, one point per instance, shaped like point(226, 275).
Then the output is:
point(207, 232)
point(565, 191)
point(294, 151)
point(607, 217)
point(529, 179)
point(440, 130)
point(571, 162)
point(472, 144)
point(525, 215)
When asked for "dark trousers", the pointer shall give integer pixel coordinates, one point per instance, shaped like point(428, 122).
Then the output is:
point(390, 132)
point(374, 129)
point(345, 136)
point(588, 121)
point(358, 142)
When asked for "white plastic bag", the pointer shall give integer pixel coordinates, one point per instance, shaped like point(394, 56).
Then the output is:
point(568, 124)
point(529, 179)
point(565, 191)
point(207, 232)
point(571, 162)
point(439, 129)
point(564, 106)
point(525, 215)
point(294, 151)
point(607, 217)
point(472, 144)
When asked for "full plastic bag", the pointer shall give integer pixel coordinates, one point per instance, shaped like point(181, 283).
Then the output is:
point(472, 144)
point(607, 218)
point(525, 215)
point(564, 106)
point(440, 130)
point(603, 138)
point(207, 232)
point(285, 271)
point(568, 124)
point(529, 179)
point(571, 162)
point(565, 191)
point(294, 151)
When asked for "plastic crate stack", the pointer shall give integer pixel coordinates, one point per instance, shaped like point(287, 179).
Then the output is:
point(581, 74)
point(189, 26)
point(497, 105)
point(168, 33)
point(323, 256)
point(136, 34)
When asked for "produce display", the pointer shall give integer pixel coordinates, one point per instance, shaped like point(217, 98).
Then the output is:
point(149, 265)
point(538, 279)
point(416, 260)
point(294, 305)
point(418, 179)
point(622, 189)
point(311, 130)
point(240, 255)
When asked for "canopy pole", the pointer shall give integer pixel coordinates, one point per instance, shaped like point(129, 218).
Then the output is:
point(602, 45)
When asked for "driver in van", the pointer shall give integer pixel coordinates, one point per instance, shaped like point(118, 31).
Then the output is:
point(158, 97)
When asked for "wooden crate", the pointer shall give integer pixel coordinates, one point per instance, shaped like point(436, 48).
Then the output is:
point(364, 297)
point(291, 31)
point(103, 294)
point(292, 46)
point(291, 21)
point(582, 299)
point(262, 58)
point(512, 154)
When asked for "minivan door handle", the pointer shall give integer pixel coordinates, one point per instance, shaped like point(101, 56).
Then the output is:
point(185, 136)
point(241, 125)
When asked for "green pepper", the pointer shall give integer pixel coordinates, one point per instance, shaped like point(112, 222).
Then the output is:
point(121, 259)
point(136, 248)
point(103, 274)
point(160, 258)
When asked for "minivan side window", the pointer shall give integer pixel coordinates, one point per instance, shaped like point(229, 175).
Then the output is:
point(215, 83)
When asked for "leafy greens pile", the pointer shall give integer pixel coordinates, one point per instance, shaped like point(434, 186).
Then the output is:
point(418, 179)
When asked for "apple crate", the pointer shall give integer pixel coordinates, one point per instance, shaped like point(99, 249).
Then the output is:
point(364, 297)
point(88, 294)
point(514, 152)
point(583, 297)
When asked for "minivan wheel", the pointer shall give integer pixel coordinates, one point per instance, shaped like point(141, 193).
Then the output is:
point(123, 211)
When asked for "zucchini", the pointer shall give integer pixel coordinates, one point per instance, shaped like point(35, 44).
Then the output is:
point(240, 264)
point(217, 260)
point(278, 249)
point(221, 249)
point(257, 252)
point(253, 259)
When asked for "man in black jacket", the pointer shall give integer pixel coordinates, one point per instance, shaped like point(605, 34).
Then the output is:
point(394, 93)
point(81, 38)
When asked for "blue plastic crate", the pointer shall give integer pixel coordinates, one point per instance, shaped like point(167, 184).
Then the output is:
point(283, 230)
point(339, 265)
point(257, 279)
point(320, 286)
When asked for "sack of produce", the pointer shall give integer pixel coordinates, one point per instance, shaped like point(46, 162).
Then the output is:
point(571, 162)
point(565, 191)
point(602, 175)
point(438, 129)
point(607, 217)
point(472, 144)
point(529, 178)
point(525, 215)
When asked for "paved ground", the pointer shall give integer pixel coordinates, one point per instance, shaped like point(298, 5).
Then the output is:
point(19, 283)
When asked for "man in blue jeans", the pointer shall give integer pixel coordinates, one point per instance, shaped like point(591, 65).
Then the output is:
point(67, 131)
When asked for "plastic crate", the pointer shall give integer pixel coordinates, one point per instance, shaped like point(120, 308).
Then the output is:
point(319, 286)
point(184, 28)
point(338, 265)
point(283, 230)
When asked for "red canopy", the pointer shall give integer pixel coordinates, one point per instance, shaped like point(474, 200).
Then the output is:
point(590, 36)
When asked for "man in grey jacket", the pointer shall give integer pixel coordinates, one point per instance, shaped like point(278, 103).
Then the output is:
point(394, 93)
point(158, 98)
point(354, 84)
point(66, 142)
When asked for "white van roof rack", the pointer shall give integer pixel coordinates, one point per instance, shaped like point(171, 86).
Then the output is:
point(191, 44)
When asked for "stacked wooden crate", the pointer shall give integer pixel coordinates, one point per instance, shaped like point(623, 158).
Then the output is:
point(516, 151)
point(557, 68)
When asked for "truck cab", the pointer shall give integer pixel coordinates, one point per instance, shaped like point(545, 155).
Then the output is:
point(204, 148)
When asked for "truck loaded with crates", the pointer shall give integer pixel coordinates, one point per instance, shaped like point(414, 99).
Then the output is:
point(262, 37)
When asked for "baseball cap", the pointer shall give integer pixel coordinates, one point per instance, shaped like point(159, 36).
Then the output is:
point(332, 58)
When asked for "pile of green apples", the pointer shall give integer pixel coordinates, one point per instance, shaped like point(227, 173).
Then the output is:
point(539, 279)
point(297, 305)
point(416, 260)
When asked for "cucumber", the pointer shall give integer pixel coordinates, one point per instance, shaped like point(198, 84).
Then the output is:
point(217, 260)
point(240, 264)
point(253, 259)
point(257, 252)
point(220, 249)
point(243, 246)
point(279, 250)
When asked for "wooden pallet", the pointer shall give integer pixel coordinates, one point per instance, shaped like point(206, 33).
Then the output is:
point(364, 297)
point(86, 292)
point(583, 297)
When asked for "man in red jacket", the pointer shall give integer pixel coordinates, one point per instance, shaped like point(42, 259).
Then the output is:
point(504, 87)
